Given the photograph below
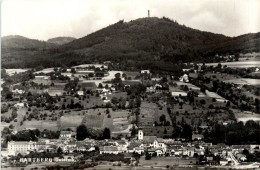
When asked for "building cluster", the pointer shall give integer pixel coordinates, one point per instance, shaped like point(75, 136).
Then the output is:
point(68, 145)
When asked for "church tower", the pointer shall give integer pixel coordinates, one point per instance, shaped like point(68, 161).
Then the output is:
point(140, 134)
point(148, 13)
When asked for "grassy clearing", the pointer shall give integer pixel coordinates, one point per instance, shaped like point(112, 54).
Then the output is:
point(246, 116)
point(70, 121)
point(41, 125)
point(164, 161)
point(131, 74)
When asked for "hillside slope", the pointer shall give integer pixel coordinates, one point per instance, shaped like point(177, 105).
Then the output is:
point(60, 40)
point(148, 35)
point(20, 42)
point(136, 43)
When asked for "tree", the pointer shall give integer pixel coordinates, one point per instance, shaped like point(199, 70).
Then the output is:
point(106, 133)
point(148, 156)
point(73, 70)
point(114, 100)
point(59, 150)
point(133, 131)
point(82, 132)
point(186, 132)
point(117, 75)
point(100, 85)
point(162, 118)
point(165, 131)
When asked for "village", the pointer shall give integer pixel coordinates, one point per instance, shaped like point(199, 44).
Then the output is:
point(195, 152)
point(80, 113)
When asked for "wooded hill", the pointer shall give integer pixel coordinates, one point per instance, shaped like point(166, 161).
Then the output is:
point(136, 43)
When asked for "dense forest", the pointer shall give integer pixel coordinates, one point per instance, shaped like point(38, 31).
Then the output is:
point(135, 42)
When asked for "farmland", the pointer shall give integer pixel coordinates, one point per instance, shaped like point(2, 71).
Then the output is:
point(246, 116)
point(243, 81)
point(237, 64)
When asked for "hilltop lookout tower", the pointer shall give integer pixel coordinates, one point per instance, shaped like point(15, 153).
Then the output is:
point(148, 13)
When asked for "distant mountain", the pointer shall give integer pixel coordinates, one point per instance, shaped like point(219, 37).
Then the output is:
point(142, 42)
point(244, 43)
point(148, 37)
point(61, 40)
point(20, 42)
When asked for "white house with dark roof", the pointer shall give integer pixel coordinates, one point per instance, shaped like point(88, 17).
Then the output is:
point(66, 134)
point(145, 72)
point(23, 147)
point(110, 150)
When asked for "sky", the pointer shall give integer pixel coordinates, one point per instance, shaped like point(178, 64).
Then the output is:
point(44, 19)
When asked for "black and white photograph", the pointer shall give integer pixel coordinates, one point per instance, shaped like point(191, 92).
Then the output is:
point(130, 84)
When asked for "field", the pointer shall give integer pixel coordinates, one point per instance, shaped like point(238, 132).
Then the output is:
point(221, 76)
point(11, 72)
point(89, 102)
point(91, 81)
point(45, 71)
point(54, 92)
point(243, 81)
point(131, 82)
point(119, 122)
point(42, 81)
point(197, 114)
point(70, 121)
point(111, 75)
point(246, 116)
point(117, 95)
point(87, 85)
point(41, 125)
point(149, 113)
point(88, 65)
point(190, 86)
point(164, 161)
point(131, 74)
point(237, 64)
point(20, 114)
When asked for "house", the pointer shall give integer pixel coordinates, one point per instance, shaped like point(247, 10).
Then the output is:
point(184, 78)
point(80, 93)
point(67, 74)
point(22, 147)
point(45, 80)
point(17, 91)
point(174, 94)
point(80, 146)
point(241, 157)
point(19, 105)
point(110, 150)
point(136, 146)
point(188, 151)
point(209, 158)
point(122, 145)
point(197, 137)
point(216, 96)
point(150, 89)
point(145, 71)
point(199, 151)
point(150, 141)
point(162, 145)
point(65, 134)
point(223, 162)
point(83, 73)
point(158, 151)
